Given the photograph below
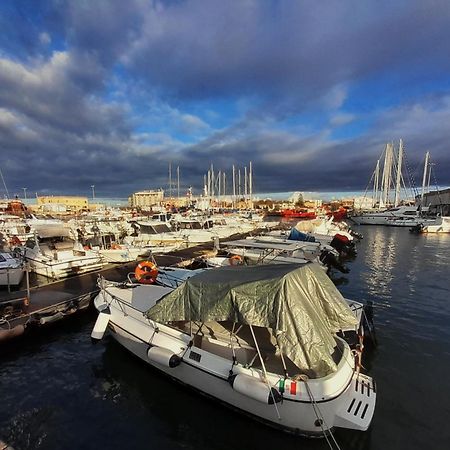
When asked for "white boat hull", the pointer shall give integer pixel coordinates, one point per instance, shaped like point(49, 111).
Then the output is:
point(11, 277)
point(63, 269)
point(120, 255)
point(204, 370)
point(442, 226)
point(295, 417)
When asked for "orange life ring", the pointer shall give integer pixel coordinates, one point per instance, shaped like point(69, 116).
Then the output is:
point(236, 260)
point(115, 246)
point(146, 272)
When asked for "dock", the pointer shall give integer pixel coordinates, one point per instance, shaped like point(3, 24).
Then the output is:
point(23, 311)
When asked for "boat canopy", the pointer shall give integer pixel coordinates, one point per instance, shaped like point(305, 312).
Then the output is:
point(51, 231)
point(300, 305)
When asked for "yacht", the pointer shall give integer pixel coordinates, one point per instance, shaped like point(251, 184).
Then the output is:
point(53, 254)
point(401, 216)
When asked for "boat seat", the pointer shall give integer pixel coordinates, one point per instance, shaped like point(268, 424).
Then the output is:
point(46, 250)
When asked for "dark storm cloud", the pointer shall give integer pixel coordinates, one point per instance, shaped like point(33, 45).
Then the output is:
point(63, 127)
point(301, 49)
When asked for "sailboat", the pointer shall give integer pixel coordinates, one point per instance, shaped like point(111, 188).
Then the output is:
point(385, 211)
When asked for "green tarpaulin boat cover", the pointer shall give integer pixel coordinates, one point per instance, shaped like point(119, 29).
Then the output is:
point(300, 304)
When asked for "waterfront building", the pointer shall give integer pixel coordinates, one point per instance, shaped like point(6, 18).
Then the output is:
point(146, 198)
point(435, 198)
point(62, 203)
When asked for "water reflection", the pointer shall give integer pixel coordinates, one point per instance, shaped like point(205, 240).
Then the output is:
point(380, 262)
point(58, 391)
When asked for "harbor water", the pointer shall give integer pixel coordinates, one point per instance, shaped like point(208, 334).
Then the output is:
point(59, 391)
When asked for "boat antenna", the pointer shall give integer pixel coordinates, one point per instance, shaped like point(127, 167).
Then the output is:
point(4, 184)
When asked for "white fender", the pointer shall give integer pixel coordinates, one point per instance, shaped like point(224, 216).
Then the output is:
point(163, 356)
point(49, 319)
point(255, 389)
point(101, 324)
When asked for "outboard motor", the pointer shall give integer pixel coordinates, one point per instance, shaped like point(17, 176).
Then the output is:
point(355, 234)
point(417, 228)
point(328, 259)
point(343, 245)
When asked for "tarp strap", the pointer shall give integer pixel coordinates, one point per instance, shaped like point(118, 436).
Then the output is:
point(286, 375)
point(232, 347)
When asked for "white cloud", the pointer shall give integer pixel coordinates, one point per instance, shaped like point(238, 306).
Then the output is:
point(191, 124)
point(44, 38)
point(342, 119)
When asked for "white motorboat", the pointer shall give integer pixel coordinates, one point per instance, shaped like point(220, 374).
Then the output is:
point(324, 230)
point(440, 225)
point(260, 339)
point(268, 250)
point(153, 233)
point(15, 230)
point(56, 256)
point(11, 269)
point(119, 253)
point(401, 216)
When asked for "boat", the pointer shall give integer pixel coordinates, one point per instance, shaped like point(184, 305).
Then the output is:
point(259, 339)
point(401, 216)
point(269, 250)
point(11, 269)
point(298, 214)
point(441, 224)
point(325, 232)
point(53, 254)
point(397, 213)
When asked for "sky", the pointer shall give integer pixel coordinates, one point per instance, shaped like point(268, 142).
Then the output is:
point(108, 93)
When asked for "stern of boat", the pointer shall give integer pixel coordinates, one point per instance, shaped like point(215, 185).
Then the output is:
point(357, 411)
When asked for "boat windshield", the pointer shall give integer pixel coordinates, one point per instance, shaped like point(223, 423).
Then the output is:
point(190, 226)
point(154, 229)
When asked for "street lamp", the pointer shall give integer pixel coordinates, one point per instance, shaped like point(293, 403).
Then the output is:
point(25, 193)
point(93, 191)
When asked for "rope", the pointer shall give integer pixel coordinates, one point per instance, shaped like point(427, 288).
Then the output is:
point(319, 414)
point(435, 183)
point(410, 175)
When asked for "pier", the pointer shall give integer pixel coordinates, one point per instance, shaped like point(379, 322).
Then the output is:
point(26, 310)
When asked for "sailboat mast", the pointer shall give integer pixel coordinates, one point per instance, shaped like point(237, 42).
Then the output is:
point(4, 184)
point(385, 183)
point(399, 173)
point(376, 184)
point(424, 179)
point(170, 179)
point(212, 182)
point(178, 182)
point(234, 186)
point(245, 183)
point(250, 182)
point(239, 184)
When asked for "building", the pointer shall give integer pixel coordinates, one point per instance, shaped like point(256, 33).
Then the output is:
point(435, 198)
point(62, 203)
point(146, 198)
point(362, 203)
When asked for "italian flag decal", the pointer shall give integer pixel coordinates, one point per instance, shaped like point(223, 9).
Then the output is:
point(293, 389)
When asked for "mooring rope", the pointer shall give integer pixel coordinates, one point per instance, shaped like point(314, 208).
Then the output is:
point(319, 415)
